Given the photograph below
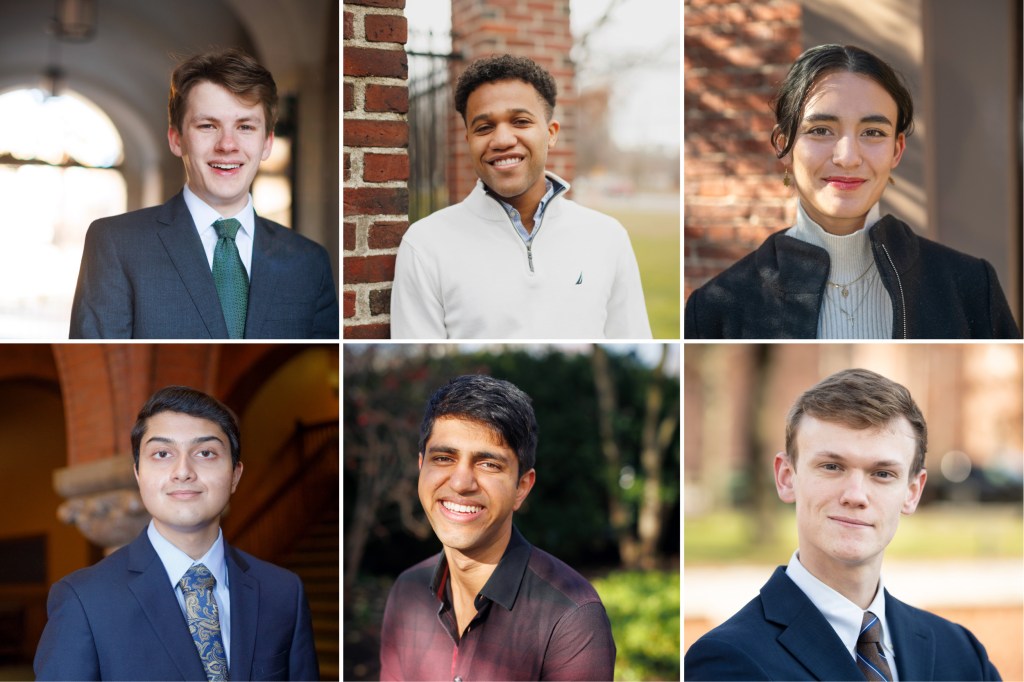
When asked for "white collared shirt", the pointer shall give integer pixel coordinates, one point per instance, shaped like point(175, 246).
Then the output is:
point(177, 563)
point(203, 215)
point(843, 615)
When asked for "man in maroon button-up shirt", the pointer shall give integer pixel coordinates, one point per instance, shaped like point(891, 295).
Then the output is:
point(490, 606)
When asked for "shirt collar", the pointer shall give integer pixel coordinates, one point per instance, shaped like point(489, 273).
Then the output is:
point(204, 215)
point(843, 615)
point(553, 186)
point(503, 585)
point(177, 563)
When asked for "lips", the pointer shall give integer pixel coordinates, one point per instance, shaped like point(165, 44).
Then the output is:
point(184, 494)
point(844, 183)
point(851, 523)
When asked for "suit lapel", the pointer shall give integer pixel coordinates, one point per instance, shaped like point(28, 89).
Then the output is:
point(914, 646)
point(265, 280)
point(807, 636)
point(178, 235)
point(245, 603)
point(151, 587)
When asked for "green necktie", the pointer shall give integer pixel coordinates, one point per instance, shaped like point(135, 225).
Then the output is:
point(204, 621)
point(230, 278)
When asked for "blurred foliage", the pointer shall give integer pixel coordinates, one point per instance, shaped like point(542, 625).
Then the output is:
point(934, 532)
point(643, 607)
point(655, 239)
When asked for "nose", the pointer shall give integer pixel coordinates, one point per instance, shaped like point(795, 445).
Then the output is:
point(183, 470)
point(504, 137)
point(846, 153)
point(226, 140)
point(463, 478)
point(853, 494)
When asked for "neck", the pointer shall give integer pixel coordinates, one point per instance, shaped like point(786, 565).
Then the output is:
point(193, 542)
point(858, 583)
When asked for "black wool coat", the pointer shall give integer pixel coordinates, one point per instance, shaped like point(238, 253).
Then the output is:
point(776, 292)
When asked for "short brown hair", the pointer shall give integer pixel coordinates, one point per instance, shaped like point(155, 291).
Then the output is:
point(859, 399)
point(231, 69)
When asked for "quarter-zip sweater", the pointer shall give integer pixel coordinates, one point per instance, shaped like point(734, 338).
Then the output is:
point(464, 272)
point(776, 291)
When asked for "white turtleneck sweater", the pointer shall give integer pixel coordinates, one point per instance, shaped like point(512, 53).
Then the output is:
point(865, 312)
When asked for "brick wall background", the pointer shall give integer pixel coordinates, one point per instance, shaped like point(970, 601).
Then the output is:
point(376, 161)
point(538, 29)
point(735, 55)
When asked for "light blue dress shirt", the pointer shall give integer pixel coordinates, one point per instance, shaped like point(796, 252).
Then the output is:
point(203, 215)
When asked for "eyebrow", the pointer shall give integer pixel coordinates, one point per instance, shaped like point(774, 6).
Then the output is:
point(478, 455)
point(195, 441)
point(880, 463)
point(211, 117)
point(871, 118)
point(486, 115)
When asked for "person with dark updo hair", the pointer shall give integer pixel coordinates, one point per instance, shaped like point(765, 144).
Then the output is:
point(844, 271)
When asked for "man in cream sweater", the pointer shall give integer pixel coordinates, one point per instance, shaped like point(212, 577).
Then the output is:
point(515, 259)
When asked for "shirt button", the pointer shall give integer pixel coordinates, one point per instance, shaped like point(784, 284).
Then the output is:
point(457, 679)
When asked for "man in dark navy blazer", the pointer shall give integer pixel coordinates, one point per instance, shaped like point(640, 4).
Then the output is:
point(854, 462)
point(125, 617)
point(150, 273)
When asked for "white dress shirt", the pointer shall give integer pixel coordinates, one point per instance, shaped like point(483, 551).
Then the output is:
point(203, 215)
point(843, 615)
point(177, 563)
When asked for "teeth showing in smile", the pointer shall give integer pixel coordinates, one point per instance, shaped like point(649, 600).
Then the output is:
point(463, 508)
point(507, 162)
point(226, 166)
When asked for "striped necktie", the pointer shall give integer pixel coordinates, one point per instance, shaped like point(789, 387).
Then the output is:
point(230, 278)
point(204, 621)
point(870, 657)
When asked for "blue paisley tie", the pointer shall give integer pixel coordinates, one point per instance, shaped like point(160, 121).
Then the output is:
point(203, 621)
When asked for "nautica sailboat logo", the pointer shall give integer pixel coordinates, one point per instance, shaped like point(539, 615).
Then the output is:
point(580, 280)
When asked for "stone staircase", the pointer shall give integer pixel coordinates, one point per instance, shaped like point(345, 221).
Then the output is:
point(315, 559)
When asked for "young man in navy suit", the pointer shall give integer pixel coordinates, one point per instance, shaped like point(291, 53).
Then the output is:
point(204, 265)
point(854, 462)
point(178, 603)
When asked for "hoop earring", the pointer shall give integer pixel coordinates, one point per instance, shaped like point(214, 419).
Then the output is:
point(891, 181)
point(786, 182)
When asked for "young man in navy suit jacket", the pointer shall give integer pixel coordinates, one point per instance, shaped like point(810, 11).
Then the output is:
point(152, 273)
point(854, 461)
point(132, 617)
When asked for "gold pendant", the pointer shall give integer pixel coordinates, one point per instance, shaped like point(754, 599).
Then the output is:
point(846, 292)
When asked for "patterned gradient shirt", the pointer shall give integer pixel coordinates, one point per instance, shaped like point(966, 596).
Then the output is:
point(537, 619)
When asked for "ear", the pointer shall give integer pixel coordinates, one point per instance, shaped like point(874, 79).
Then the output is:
point(779, 144)
point(419, 462)
point(914, 491)
point(524, 487)
point(553, 127)
point(784, 473)
point(174, 141)
point(268, 144)
point(901, 145)
point(236, 476)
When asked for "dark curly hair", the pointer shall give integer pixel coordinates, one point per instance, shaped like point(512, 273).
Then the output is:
point(502, 68)
point(820, 61)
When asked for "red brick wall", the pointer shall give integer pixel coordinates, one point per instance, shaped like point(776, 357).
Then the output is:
point(735, 56)
point(538, 29)
point(375, 211)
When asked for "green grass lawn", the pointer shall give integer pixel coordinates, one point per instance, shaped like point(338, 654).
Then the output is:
point(967, 532)
point(643, 607)
point(655, 238)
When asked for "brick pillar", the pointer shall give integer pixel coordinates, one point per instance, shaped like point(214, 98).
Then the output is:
point(538, 30)
point(736, 55)
point(376, 161)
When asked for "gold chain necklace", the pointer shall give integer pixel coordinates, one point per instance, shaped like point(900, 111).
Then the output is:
point(845, 288)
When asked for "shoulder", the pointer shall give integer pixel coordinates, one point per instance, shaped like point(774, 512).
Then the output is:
point(913, 249)
point(289, 238)
point(417, 576)
point(132, 220)
point(101, 577)
point(439, 225)
point(561, 580)
point(262, 570)
point(592, 221)
point(726, 652)
point(950, 637)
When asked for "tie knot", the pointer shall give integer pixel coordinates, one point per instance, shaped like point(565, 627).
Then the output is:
point(197, 578)
point(870, 629)
point(227, 227)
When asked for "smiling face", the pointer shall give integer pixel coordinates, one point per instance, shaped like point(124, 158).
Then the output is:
point(222, 141)
point(845, 149)
point(185, 476)
point(509, 137)
point(469, 486)
point(850, 487)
